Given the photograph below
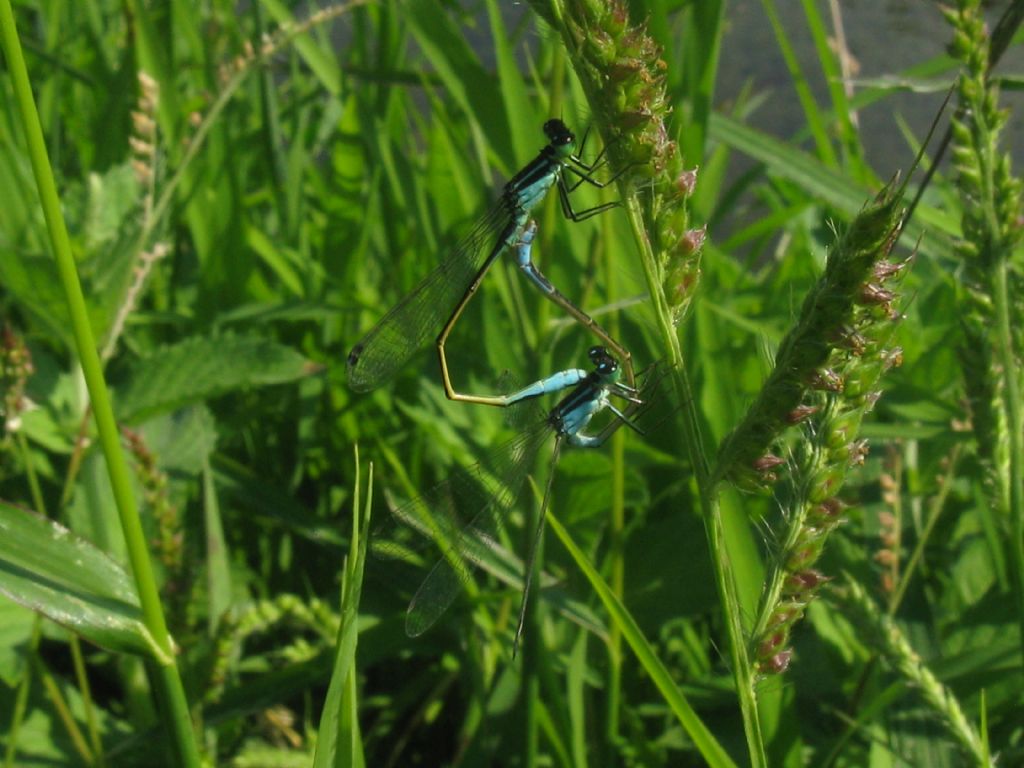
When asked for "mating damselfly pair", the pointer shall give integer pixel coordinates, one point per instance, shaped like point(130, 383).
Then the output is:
point(463, 514)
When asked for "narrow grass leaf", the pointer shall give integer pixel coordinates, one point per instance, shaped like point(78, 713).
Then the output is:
point(712, 752)
point(827, 185)
point(322, 65)
point(284, 263)
point(218, 567)
point(703, 49)
point(815, 121)
point(512, 86)
point(460, 70)
point(47, 568)
point(339, 742)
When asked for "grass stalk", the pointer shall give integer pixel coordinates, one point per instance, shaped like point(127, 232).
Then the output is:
point(166, 680)
point(705, 742)
point(1006, 355)
point(725, 580)
point(899, 653)
point(82, 677)
point(935, 509)
point(21, 696)
point(616, 528)
point(30, 474)
point(991, 230)
point(61, 709)
point(618, 69)
point(616, 534)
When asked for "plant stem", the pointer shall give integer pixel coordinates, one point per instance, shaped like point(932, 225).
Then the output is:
point(935, 509)
point(666, 215)
point(30, 474)
point(617, 521)
point(165, 678)
point(21, 697)
point(60, 707)
point(76, 648)
point(81, 675)
point(743, 672)
point(1004, 350)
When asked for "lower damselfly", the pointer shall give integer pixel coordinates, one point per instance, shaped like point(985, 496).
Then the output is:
point(434, 306)
point(464, 514)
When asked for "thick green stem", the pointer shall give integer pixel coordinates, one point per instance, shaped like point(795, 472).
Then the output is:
point(165, 678)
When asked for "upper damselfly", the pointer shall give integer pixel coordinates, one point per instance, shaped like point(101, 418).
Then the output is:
point(434, 306)
point(464, 513)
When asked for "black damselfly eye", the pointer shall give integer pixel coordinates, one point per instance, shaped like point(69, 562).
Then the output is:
point(558, 133)
point(603, 362)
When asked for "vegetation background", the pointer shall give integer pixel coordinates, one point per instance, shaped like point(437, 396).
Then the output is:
point(247, 188)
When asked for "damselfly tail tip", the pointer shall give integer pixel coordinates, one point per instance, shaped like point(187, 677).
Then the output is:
point(355, 380)
point(414, 626)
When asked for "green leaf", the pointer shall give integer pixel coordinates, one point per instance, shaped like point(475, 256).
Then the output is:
point(218, 578)
point(465, 79)
point(319, 60)
point(15, 634)
point(183, 439)
point(713, 752)
point(205, 367)
point(829, 185)
point(339, 742)
point(47, 568)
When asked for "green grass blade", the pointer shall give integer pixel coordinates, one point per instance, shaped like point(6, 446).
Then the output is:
point(164, 677)
point(318, 60)
point(815, 120)
point(522, 128)
point(827, 185)
point(218, 566)
point(709, 748)
point(842, 114)
point(470, 85)
point(340, 743)
point(702, 55)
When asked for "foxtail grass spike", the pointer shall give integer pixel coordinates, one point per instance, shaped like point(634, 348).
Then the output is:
point(827, 351)
point(897, 651)
point(825, 380)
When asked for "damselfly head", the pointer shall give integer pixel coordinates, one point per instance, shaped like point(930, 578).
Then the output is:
point(558, 133)
point(604, 363)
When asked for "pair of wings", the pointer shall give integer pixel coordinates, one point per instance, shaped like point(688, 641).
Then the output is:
point(420, 316)
point(464, 514)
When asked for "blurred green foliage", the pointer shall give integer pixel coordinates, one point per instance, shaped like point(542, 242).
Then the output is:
point(281, 201)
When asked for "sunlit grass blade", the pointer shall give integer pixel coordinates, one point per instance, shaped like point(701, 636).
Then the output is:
point(827, 185)
point(708, 746)
point(340, 741)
